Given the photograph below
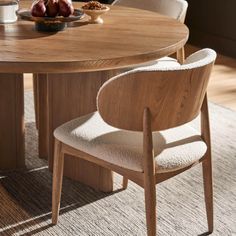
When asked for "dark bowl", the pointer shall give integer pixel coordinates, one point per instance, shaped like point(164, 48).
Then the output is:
point(50, 24)
point(50, 27)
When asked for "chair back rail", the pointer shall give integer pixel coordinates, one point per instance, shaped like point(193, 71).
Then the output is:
point(173, 8)
point(174, 97)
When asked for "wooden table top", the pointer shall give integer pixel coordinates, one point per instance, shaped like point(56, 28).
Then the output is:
point(128, 37)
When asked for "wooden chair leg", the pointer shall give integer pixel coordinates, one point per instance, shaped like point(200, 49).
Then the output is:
point(150, 205)
point(180, 55)
point(125, 183)
point(208, 191)
point(149, 174)
point(57, 181)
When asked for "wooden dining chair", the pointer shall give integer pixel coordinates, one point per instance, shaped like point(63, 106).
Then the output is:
point(175, 9)
point(140, 130)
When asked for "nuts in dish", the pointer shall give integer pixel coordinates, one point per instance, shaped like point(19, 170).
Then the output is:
point(94, 5)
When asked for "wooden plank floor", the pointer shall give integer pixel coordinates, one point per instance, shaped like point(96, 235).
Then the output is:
point(222, 87)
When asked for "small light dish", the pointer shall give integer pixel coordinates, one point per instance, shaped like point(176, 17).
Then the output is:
point(95, 15)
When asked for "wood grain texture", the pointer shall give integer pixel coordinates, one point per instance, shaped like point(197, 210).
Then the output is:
point(36, 102)
point(11, 121)
point(57, 181)
point(42, 114)
point(88, 47)
point(173, 97)
point(125, 183)
point(149, 173)
point(207, 165)
point(180, 55)
point(221, 88)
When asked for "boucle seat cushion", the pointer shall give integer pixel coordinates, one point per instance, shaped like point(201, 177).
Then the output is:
point(162, 63)
point(173, 149)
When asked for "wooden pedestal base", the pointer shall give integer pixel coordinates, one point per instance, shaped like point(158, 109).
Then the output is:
point(62, 97)
point(11, 121)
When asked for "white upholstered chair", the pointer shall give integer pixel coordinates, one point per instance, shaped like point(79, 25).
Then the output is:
point(176, 9)
point(141, 130)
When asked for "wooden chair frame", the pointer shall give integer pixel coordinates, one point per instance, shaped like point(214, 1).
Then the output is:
point(146, 179)
point(149, 101)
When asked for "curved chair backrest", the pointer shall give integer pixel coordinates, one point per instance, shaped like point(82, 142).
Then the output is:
point(174, 8)
point(174, 96)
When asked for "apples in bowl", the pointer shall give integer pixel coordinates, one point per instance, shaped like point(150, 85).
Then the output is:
point(52, 8)
point(51, 15)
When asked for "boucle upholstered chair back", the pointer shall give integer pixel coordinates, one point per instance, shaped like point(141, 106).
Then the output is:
point(174, 95)
point(174, 8)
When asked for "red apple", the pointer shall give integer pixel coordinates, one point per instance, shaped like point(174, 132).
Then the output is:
point(65, 8)
point(38, 8)
point(52, 7)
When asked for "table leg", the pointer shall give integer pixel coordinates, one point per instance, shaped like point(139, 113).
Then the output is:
point(71, 96)
point(11, 121)
point(42, 114)
point(35, 92)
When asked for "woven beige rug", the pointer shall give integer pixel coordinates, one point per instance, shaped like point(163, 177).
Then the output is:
point(25, 196)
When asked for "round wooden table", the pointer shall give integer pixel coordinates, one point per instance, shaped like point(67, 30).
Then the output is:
point(71, 65)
